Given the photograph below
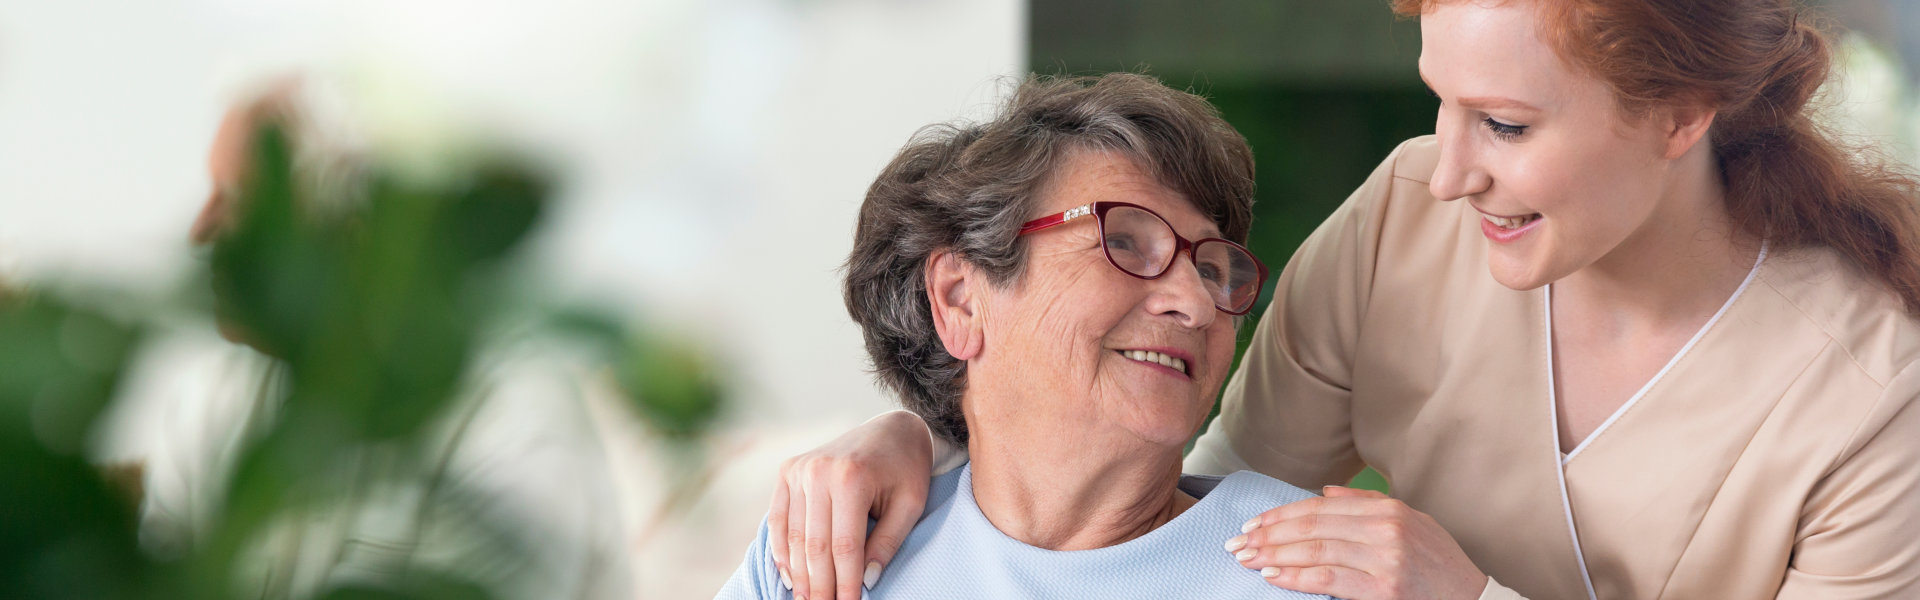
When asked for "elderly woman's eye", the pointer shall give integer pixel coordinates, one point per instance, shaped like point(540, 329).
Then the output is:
point(1121, 242)
point(1213, 274)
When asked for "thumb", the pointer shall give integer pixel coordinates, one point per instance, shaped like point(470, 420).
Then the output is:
point(895, 522)
point(1338, 491)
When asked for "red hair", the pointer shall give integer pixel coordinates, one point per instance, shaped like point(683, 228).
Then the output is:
point(1758, 62)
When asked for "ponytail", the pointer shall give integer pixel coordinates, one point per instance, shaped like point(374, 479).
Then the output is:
point(1790, 180)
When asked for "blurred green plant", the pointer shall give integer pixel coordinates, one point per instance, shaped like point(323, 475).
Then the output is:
point(674, 387)
point(373, 300)
point(63, 532)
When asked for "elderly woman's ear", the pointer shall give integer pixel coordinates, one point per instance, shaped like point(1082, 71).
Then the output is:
point(952, 284)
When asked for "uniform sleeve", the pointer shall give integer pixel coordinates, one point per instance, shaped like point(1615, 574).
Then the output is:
point(947, 456)
point(756, 579)
point(1857, 534)
point(1495, 591)
point(1287, 411)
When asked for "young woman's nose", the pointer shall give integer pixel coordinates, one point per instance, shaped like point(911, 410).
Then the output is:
point(1459, 173)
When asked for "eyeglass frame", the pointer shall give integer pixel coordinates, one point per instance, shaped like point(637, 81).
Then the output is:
point(1098, 210)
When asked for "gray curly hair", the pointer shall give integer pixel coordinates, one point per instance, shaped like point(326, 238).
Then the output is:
point(969, 187)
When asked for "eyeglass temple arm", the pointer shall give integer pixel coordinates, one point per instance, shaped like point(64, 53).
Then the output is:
point(1056, 218)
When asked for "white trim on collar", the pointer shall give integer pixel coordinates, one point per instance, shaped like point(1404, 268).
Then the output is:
point(1663, 370)
point(1553, 408)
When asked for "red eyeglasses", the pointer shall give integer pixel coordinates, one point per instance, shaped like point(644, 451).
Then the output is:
point(1140, 243)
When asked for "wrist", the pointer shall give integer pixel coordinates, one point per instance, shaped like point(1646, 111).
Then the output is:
point(909, 428)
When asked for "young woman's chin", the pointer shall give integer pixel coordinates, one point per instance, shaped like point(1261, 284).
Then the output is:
point(1517, 271)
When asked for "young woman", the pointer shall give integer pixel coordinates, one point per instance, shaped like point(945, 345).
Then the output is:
point(1690, 373)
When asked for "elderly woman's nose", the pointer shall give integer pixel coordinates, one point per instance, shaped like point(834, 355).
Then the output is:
point(1182, 294)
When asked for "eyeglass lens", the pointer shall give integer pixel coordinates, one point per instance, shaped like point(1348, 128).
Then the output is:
point(1142, 244)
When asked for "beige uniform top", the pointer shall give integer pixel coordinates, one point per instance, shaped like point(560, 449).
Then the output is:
point(1778, 455)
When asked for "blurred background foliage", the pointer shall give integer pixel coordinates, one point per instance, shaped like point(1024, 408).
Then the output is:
point(374, 300)
point(1323, 91)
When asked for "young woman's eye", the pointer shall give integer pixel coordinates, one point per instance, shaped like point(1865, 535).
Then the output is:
point(1504, 131)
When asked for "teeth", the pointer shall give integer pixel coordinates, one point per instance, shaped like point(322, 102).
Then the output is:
point(1156, 357)
point(1510, 222)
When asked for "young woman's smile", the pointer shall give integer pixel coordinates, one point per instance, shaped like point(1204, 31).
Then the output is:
point(1502, 229)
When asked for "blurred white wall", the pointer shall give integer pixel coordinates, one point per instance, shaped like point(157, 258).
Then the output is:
point(714, 153)
point(1872, 99)
point(717, 150)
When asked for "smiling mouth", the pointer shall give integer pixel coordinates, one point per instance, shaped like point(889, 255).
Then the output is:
point(1511, 222)
point(1158, 358)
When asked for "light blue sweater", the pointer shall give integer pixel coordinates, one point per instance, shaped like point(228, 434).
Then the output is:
point(954, 552)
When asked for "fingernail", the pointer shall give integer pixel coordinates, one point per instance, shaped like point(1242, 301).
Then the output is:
point(1245, 555)
point(1250, 525)
point(784, 579)
point(1270, 572)
point(1238, 542)
point(872, 576)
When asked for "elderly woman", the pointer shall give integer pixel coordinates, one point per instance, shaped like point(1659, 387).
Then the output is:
point(1058, 289)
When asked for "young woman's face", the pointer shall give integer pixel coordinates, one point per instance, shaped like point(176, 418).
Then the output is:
point(1541, 150)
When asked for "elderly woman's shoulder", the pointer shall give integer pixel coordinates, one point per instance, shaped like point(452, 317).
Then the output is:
point(1245, 492)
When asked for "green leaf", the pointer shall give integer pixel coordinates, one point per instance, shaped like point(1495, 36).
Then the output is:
point(67, 535)
point(273, 273)
point(59, 367)
point(63, 532)
point(501, 205)
point(594, 326)
point(673, 386)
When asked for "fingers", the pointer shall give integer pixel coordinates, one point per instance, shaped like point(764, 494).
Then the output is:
point(1338, 582)
point(796, 567)
point(897, 516)
point(1345, 528)
point(818, 547)
point(1356, 544)
point(1339, 501)
point(849, 539)
point(777, 532)
point(869, 470)
point(1313, 553)
point(1340, 491)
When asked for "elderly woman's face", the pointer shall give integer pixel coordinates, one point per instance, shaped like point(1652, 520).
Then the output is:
point(1061, 336)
